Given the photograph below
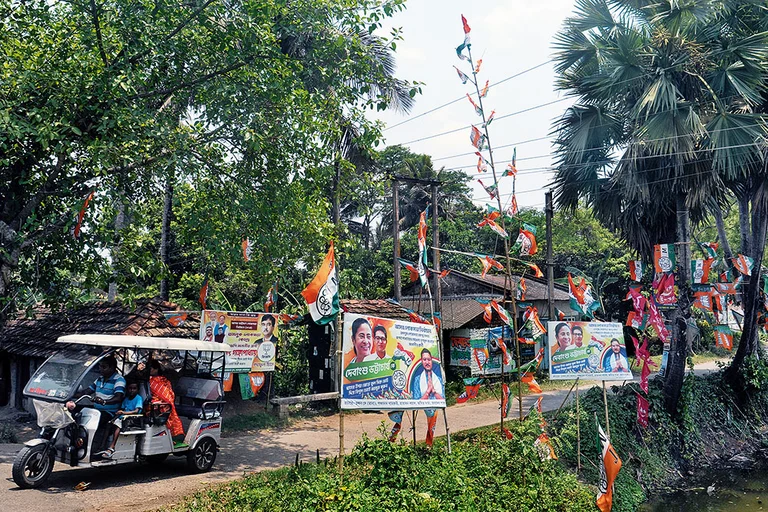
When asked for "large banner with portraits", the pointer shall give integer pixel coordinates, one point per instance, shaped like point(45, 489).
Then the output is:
point(252, 336)
point(390, 364)
point(587, 350)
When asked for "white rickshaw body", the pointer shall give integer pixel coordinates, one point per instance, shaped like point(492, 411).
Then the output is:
point(77, 438)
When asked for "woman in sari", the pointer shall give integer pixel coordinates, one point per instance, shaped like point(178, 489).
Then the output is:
point(162, 392)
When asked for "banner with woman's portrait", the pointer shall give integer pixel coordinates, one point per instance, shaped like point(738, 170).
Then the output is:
point(390, 364)
point(587, 350)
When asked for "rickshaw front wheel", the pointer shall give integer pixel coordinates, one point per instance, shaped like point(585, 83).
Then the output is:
point(31, 468)
point(202, 457)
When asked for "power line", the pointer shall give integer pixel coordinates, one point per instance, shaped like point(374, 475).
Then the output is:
point(462, 97)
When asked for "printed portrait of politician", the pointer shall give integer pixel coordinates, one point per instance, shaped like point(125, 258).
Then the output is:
point(267, 323)
point(380, 341)
point(615, 361)
point(362, 342)
point(426, 380)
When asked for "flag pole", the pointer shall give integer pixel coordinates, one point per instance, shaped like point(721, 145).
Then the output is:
point(605, 403)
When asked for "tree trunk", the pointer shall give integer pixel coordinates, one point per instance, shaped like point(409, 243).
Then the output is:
point(675, 372)
point(727, 252)
point(744, 223)
point(165, 236)
point(119, 224)
point(750, 341)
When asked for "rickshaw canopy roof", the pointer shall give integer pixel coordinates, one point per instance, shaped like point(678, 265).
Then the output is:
point(143, 342)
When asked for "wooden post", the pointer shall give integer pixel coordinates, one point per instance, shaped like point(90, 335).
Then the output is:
point(447, 430)
point(396, 237)
point(413, 425)
point(437, 308)
point(607, 423)
point(578, 430)
point(550, 260)
point(337, 321)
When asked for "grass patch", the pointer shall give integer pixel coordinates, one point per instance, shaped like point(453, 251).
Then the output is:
point(254, 420)
point(8, 434)
point(483, 472)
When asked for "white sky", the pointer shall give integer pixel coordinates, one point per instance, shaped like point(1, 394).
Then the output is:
point(510, 36)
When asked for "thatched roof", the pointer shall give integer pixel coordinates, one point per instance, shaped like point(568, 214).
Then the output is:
point(35, 334)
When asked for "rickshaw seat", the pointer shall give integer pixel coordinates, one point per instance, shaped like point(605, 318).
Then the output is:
point(198, 398)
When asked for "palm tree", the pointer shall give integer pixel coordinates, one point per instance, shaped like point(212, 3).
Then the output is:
point(667, 93)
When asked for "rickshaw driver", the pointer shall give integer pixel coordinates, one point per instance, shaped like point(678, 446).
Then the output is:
point(109, 390)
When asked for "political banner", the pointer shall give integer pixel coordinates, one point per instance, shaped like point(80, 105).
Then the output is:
point(486, 350)
point(461, 351)
point(587, 350)
point(252, 336)
point(390, 364)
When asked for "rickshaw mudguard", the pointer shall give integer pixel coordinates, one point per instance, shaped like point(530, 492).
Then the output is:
point(36, 441)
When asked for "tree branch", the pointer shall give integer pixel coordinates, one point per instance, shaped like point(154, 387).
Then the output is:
point(97, 26)
point(197, 81)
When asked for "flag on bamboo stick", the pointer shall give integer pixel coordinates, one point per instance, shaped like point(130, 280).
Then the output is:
point(531, 315)
point(489, 221)
point(422, 240)
point(431, 424)
point(484, 91)
point(743, 264)
point(700, 270)
point(462, 76)
point(488, 263)
point(664, 257)
point(506, 403)
point(397, 419)
point(203, 297)
point(527, 242)
point(636, 320)
point(610, 464)
point(544, 447)
point(481, 165)
point(81, 214)
point(503, 313)
point(471, 389)
point(521, 289)
point(413, 272)
point(635, 270)
point(478, 110)
point(477, 139)
point(559, 314)
point(723, 336)
point(726, 288)
point(513, 210)
point(511, 169)
point(643, 409)
point(271, 298)
point(507, 433)
point(322, 293)
point(489, 120)
point(479, 64)
point(417, 318)
point(491, 189)
point(533, 386)
point(487, 310)
point(466, 43)
point(444, 273)
point(642, 352)
point(644, 374)
point(581, 297)
point(709, 248)
point(246, 246)
point(480, 356)
point(536, 270)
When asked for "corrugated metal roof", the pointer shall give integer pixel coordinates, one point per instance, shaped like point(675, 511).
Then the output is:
point(375, 307)
point(456, 312)
point(35, 335)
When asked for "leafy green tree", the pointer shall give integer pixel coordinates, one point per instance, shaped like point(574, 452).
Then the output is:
point(668, 94)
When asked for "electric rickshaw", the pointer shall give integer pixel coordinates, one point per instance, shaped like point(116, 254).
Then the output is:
point(195, 369)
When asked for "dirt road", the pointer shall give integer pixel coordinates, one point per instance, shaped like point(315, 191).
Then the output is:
point(143, 487)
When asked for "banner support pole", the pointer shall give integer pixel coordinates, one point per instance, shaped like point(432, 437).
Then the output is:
point(447, 430)
point(578, 430)
point(605, 403)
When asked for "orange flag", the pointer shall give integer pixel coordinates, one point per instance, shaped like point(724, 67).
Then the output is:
point(610, 464)
point(533, 386)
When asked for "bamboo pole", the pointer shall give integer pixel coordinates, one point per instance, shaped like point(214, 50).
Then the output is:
point(447, 430)
point(578, 430)
point(605, 402)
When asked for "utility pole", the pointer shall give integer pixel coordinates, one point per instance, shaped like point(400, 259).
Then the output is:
point(436, 263)
point(396, 237)
point(550, 260)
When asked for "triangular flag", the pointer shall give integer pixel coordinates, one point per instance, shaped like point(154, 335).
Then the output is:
point(643, 408)
point(271, 298)
point(484, 91)
point(492, 189)
point(462, 76)
point(413, 272)
point(80, 215)
point(246, 246)
point(203, 297)
point(743, 264)
point(479, 64)
point(610, 464)
point(513, 210)
point(527, 242)
point(477, 139)
point(635, 270)
point(489, 120)
point(478, 110)
point(511, 169)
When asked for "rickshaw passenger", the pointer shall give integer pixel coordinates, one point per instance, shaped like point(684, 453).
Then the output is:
point(132, 404)
point(161, 390)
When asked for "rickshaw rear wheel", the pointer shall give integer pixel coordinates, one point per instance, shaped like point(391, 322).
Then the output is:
point(201, 458)
point(30, 468)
